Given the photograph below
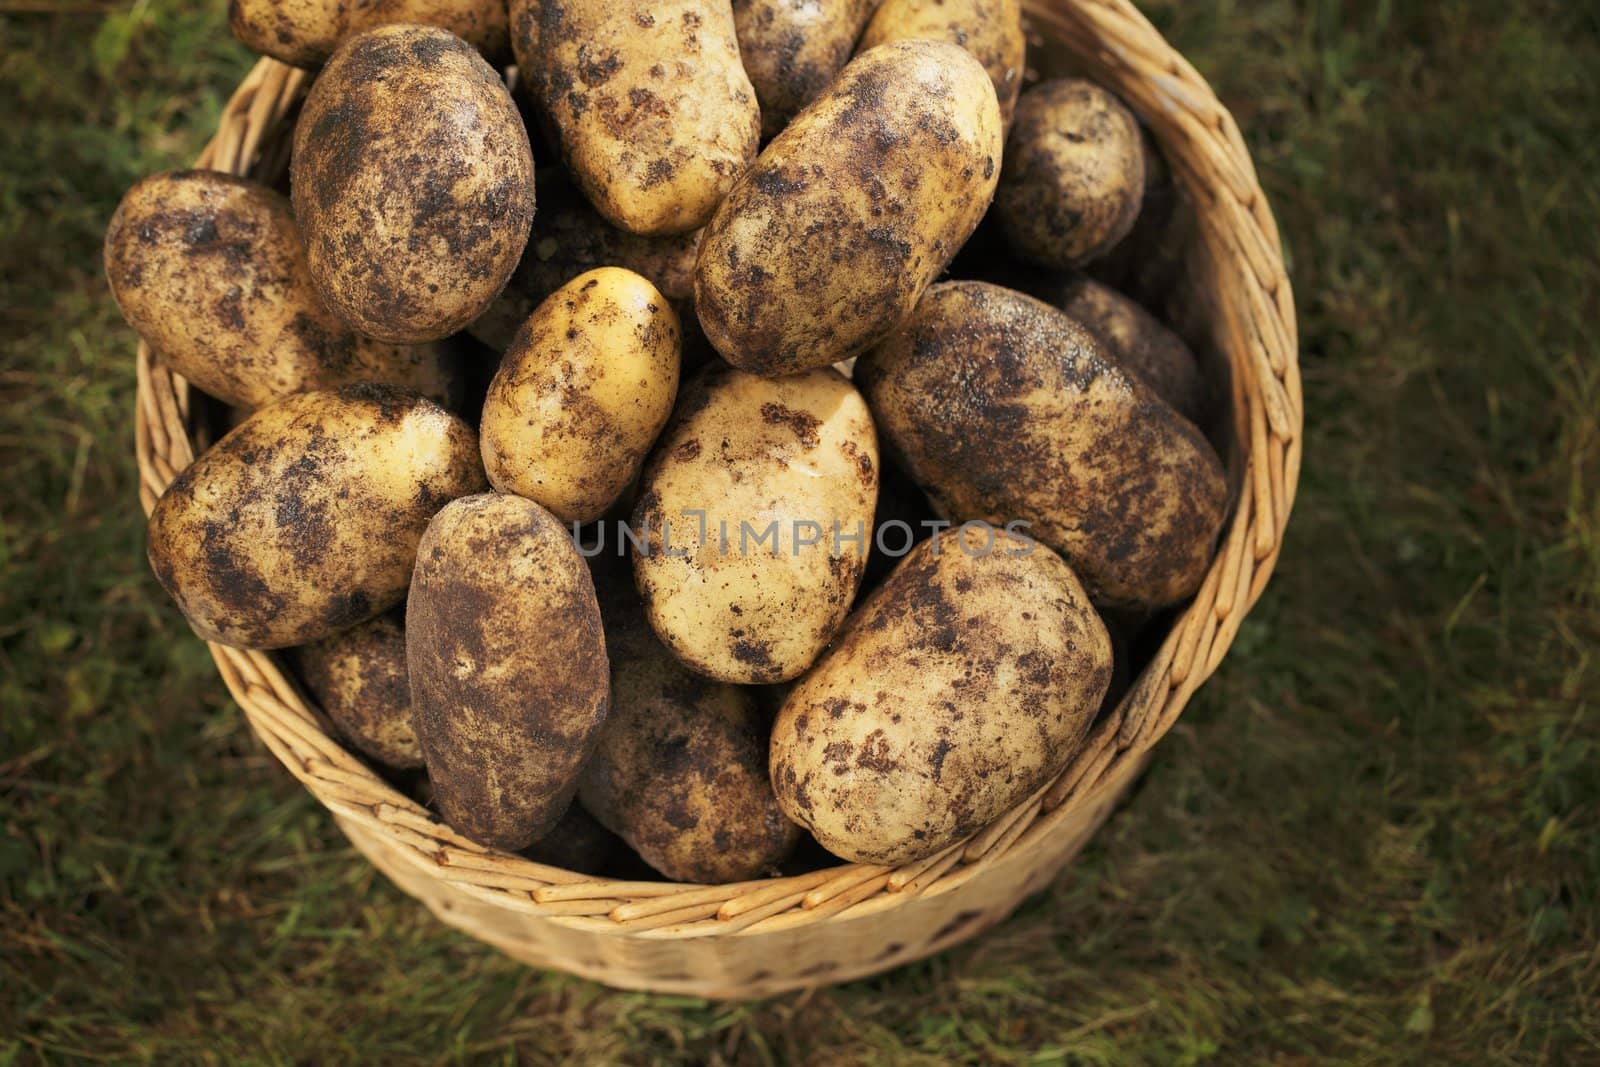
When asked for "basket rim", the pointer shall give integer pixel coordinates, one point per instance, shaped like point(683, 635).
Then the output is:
point(1256, 307)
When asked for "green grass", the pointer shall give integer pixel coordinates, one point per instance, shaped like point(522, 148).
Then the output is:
point(1374, 838)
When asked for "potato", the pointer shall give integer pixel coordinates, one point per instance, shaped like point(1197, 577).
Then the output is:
point(990, 29)
point(305, 520)
point(571, 237)
point(792, 49)
point(783, 474)
point(1005, 409)
point(656, 115)
point(963, 685)
point(508, 667)
point(828, 241)
point(413, 181)
point(209, 269)
point(359, 677)
point(304, 33)
point(582, 393)
point(680, 772)
point(578, 843)
point(1074, 175)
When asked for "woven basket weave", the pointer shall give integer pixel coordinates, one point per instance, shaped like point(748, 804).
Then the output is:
point(758, 938)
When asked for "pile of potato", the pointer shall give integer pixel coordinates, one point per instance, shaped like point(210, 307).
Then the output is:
point(724, 316)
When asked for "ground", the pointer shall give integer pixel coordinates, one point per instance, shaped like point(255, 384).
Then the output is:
point(1374, 838)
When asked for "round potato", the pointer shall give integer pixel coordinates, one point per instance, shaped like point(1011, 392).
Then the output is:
point(359, 678)
point(413, 181)
point(754, 516)
point(655, 112)
point(792, 49)
point(305, 519)
point(828, 241)
point(582, 393)
point(304, 33)
point(680, 772)
point(578, 843)
point(1004, 409)
point(508, 667)
point(1074, 176)
point(962, 685)
point(210, 270)
point(990, 29)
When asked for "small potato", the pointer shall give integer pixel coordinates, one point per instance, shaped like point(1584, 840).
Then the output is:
point(359, 678)
point(793, 49)
point(304, 33)
point(990, 29)
point(578, 843)
point(571, 237)
point(754, 514)
point(1004, 409)
point(1074, 174)
point(826, 244)
point(210, 270)
point(962, 686)
point(655, 112)
point(413, 181)
point(582, 393)
point(508, 667)
point(305, 520)
point(680, 772)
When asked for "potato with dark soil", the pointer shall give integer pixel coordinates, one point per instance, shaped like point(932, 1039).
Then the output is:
point(304, 33)
point(305, 519)
point(793, 49)
point(1004, 409)
point(1074, 174)
point(826, 244)
point(990, 29)
point(656, 114)
point(211, 271)
point(508, 667)
point(964, 684)
point(359, 678)
point(413, 182)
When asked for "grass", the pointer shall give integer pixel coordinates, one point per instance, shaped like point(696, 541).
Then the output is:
point(1374, 838)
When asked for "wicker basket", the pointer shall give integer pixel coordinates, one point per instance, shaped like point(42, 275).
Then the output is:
point(758, 938)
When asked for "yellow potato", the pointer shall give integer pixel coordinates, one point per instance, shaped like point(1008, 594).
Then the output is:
point(413, 182)
point(304, 33)
point(656, 115)
point(792, 49)
point(990, 29)
point(581, 395)
point(358, 676)
point(209, 268)
point(964, 684)
point(828, 241)
point(305, 520)
point(755, 516)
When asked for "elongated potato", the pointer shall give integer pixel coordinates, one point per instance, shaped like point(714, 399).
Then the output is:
point(209, 268)
point(990, 29)
point(826, 244)
point(305, 519)
point(962, 685)
point(581, 395)
point(792, 49)
point(1005, 409)
point(359, 678)
point(413, 181)
point(754, 514)
point(304, 33)
point(656, 114)
point(508, 667)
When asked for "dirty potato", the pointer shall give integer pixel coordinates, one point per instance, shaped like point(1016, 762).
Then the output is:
point(578, 843)
point(304, 33)
point(655, 112)
point(828, 241)
point(1003, 408)
point(508, 667)
point(210, 270)
point(305, 519)
point(582, 393)
point(792, 49)
point(754, 514)
point(413, 182)
point(990, 29)
point(358, 676)
point(962, 686)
